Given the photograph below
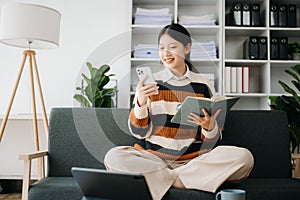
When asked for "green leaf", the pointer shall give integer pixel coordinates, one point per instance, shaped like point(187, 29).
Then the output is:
point(296, 68)
point(287, 88)
point(104, 68)
point(296, 84)
point(82, 100)
point(87, 80)
point(295, 76)
point(103, 81)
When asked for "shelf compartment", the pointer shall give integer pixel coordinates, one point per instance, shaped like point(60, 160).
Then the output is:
point(258, 102)
point(278, 73)
point(258, 79)
point(245, 31)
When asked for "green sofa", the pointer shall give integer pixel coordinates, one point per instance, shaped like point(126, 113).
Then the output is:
point(81, 136)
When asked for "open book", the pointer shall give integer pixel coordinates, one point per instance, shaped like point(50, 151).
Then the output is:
point(195, 105)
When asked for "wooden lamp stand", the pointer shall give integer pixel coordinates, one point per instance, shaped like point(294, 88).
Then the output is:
point(33, 72)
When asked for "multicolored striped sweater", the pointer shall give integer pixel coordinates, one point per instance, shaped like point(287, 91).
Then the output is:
point(152, 123)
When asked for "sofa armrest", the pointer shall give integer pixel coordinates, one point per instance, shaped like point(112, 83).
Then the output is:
point(296, 157)
point(27, 169)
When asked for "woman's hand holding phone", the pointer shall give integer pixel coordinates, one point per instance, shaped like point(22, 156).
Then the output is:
point(144, 91)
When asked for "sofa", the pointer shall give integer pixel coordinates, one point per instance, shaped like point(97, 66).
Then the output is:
point(80, 137)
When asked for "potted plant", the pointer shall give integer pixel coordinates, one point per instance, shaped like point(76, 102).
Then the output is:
point(294, 49)
point(291, 105)
point(94, 94)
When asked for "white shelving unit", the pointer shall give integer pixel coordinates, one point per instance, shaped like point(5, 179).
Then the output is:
point(264, 74)
point(147, 34)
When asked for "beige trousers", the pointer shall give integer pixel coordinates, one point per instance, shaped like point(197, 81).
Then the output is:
point(206, 172)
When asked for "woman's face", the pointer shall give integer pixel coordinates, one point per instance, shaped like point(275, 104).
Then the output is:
point(172, 53)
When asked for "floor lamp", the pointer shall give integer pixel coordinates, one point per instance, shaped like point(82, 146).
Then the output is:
point(32, 27)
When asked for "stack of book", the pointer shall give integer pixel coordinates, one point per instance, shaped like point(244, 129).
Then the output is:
point(237, 79)
point(204, 50)
point(158, 17)
point(204, 20)
point(146, 51)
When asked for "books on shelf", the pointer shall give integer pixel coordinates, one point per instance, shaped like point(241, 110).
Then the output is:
point(237, 79)
point(158, 17)
point(195, 105)
point(203, 20)
point(204, 50)
point(146, 51)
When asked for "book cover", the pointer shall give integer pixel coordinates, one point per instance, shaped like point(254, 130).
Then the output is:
point(233, 79)
point(239, 79)
point(246, 79)
point(227, 79)
point(195, 105)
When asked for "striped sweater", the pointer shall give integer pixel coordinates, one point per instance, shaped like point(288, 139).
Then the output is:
point(152, 123)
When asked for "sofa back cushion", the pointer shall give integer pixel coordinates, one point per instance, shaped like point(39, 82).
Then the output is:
point(266, 135)
point(82, 136)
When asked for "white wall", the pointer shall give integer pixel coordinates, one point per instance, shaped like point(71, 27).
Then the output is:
point(85, 25)
point(93, 30)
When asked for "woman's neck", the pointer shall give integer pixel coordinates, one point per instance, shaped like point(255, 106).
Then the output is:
point(179, 72)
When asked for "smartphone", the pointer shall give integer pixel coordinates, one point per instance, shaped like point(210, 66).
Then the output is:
point(142, 72)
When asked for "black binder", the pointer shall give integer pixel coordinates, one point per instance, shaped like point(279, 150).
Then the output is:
point(236, 15)
point(273, 15)
point(282, 15)
point(292, 15)
point(255, 15)
point(251, 50)
point(274, 48)
point(246, 15)
point(283, 48)
point(262, 46)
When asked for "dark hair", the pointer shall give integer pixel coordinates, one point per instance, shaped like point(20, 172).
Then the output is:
point(181, 34)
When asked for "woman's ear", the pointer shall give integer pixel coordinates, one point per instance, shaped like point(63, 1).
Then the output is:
point(187, 48)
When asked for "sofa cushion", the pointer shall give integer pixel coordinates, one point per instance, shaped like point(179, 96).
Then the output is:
point(54, 188)
point(266, 135)
point(80, 137)
point(269, 188)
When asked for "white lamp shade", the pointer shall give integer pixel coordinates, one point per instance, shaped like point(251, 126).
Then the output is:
point(24, 23)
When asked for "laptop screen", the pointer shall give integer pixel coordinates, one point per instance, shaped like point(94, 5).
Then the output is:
point(102, 184)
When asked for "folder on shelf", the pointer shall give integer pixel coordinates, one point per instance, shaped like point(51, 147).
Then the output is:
point(233, 80)
point(246, 14)
point(274, 52)
point(283, 48)
point(282, 15)
point(245, 79)
point(227, 79)
point(255, 15)
point(239, 79)
point(236, 15)
point(273, 15)
point(292, 15)
point(263, 52)
point(251, 50)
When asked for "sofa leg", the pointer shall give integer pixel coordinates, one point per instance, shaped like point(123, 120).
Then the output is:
point(26, 179)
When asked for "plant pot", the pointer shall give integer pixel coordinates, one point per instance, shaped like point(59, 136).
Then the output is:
point(296, 56)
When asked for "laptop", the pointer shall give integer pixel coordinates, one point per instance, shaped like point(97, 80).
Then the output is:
point(97, 184)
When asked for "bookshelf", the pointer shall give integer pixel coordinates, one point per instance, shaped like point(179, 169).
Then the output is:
point(264, 74)
point(229, 41)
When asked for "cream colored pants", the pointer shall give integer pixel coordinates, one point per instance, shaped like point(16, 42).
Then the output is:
point(206, 172)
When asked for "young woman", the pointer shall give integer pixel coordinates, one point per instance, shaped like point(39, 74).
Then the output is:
point(172, 154)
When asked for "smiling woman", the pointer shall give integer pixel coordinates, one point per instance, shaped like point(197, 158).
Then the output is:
point(176, 154)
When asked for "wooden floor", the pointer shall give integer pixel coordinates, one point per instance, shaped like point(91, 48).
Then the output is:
point(10, 196)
